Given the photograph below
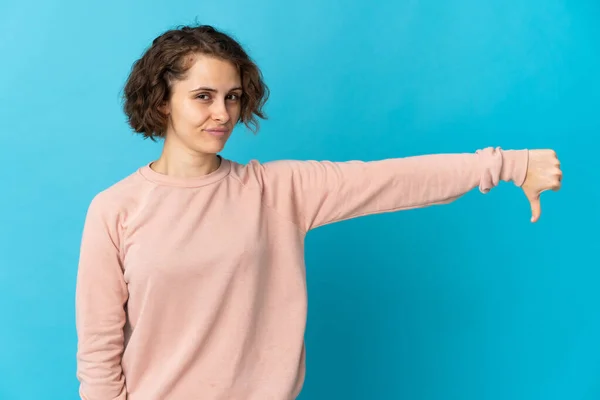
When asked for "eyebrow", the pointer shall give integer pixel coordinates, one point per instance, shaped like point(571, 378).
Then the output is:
point(208, 89)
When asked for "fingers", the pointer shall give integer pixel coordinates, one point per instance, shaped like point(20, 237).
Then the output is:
point(556, 179)
point(556, 173)
point(544, 174)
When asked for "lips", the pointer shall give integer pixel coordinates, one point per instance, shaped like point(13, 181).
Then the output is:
point(217, 131)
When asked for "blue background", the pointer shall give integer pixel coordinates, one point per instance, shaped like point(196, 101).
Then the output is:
point(465, 301)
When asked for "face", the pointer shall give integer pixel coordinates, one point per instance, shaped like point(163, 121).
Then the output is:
point(205, 106)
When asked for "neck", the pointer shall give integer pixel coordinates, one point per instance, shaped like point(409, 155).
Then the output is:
point(185, 164)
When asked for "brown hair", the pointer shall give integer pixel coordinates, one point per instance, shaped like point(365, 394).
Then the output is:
point(168, 59)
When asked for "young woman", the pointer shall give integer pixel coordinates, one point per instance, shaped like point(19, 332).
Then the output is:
point(191, 280)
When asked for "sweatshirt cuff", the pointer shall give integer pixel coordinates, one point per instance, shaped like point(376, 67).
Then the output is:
point(514, 166)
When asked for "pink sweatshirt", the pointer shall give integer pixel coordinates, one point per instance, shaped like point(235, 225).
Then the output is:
point(194, 288)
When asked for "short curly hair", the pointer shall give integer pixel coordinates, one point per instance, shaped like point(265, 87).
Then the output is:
point(168, 59)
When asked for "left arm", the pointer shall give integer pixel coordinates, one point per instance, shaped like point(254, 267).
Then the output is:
point(312, 193)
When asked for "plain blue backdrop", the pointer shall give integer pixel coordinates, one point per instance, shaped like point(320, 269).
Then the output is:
point(464, 301)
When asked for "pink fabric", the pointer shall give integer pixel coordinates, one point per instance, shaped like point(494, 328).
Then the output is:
point(194, 288)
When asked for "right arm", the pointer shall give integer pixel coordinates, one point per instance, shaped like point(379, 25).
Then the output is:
point(101, 294)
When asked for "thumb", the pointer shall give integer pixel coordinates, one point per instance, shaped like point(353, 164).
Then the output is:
point(536, 208)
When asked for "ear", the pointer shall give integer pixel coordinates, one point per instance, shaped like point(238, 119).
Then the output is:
point(165, 108)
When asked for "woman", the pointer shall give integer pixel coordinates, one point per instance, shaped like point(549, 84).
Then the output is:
point(191, 281)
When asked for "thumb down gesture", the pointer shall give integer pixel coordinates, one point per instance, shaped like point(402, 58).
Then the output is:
point(543, 173)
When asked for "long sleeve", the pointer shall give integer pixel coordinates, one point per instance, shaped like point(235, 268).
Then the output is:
point(101, 294)
point(315, 193)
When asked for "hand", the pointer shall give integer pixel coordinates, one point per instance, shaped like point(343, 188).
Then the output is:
point(543, 173)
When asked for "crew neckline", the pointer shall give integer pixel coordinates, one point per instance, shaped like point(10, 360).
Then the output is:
point(169, 180)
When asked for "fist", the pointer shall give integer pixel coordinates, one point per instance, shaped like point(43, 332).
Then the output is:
point(543, 173)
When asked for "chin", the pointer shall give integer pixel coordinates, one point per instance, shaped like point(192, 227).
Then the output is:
point(211, 148)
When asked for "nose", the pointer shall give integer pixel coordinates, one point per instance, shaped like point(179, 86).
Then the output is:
point(219, 112)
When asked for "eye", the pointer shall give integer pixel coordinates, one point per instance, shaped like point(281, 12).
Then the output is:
point(233, 97)
point(203, 96)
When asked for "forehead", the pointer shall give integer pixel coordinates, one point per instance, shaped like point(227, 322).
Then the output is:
point(212, 72)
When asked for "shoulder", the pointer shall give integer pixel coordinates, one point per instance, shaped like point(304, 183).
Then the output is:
point(258, 175)
point(115, 200)
point(255, 172)
point(248, 174)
